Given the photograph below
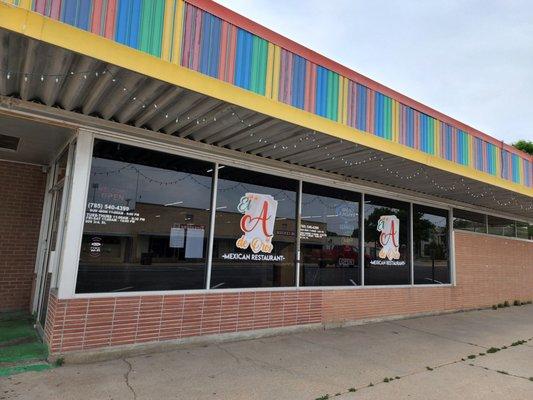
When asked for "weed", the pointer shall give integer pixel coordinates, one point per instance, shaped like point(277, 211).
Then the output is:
point(493, 350)
point(529, 302)
point(397, 377)
point(518, 342)
point(481, 354)
point(517, 303)
point(325, 397)
point(500, 305)
point(471, 356)
point(506, 304)
point(531, 379)
point(429, 368)
point(337, 394)
point(494, 307)
point(59, 361)
point(504, 347)
point(371, 384)
point(386, 380)
point(351, 390)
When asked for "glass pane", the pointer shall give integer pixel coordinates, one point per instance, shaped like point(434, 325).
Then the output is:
point(147, 219)
point(430, 236)
point(524, 230)
point(255, 230)
point(329, 238)
point(501, 226)
point(386, 242)
point(469, 221)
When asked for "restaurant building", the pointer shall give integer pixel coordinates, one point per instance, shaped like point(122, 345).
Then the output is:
point(171, 171)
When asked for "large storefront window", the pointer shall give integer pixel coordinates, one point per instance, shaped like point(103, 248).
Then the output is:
point(255, 230)
point(386, 242)
point(524, 230)
point(146, 224)
point(329, 237)
point(469, 221)
point(501, 226)
point(430, 237)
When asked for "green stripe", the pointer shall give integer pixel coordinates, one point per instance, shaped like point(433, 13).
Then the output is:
point(151, 31)
point(335, 97)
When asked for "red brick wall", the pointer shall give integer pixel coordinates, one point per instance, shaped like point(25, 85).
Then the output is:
point(489, 270)
point(21, 203)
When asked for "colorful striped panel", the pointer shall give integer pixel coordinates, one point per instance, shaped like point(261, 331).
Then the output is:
point(181, 33)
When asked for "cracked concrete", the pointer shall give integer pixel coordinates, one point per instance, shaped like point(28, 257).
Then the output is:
point(312, 364)
point(127, 378)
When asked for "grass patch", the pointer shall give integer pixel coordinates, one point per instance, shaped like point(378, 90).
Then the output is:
point(24, 351)
point(518, 342)
point(23, 368)
point(493, 350)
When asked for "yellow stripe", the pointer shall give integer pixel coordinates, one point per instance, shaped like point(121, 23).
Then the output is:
point(50, 31)
point(270, 69)
point(340, 100)
point(26, 4)
point(275, 73)
point(177, 34)
point(168, 25)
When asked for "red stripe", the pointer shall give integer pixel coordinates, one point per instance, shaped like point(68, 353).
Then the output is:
point(282, 41)
point(110, 19)
point(313, 87)
point(55, 9)
point(223, 51)
point(96, 14)
point(233, 49)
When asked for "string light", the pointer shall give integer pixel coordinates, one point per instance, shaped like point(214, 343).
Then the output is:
point(348, 161)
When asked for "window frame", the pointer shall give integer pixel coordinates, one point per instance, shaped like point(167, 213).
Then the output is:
point(81, 174)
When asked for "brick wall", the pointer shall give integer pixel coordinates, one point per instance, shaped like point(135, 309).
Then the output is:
point(21, 203)
point(489, 270)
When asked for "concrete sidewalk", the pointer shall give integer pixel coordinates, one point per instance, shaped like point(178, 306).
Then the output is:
point(422, 356)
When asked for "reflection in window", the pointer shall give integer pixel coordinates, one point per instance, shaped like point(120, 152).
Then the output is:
point(430, 236)
point(255, 230)
point(386, 242)
point(329, 236)
point(469, 221)
point(501, 226)
point(524, 230)
point(146, 224)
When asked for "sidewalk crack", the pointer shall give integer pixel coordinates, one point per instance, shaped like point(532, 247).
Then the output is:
point(499, 371)
point(127, 378)
point(437, 335)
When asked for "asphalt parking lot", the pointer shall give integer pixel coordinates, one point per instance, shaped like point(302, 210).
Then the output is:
point(484, 354)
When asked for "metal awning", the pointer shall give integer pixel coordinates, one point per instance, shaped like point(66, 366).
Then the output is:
point(34, 71)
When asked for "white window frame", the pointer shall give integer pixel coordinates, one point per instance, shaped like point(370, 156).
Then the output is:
point(77, 205)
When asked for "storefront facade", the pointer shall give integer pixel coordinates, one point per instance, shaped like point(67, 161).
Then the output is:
point(169, 214)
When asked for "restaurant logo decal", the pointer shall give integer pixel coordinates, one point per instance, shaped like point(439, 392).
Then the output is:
point(389, 238)
point(257, 222)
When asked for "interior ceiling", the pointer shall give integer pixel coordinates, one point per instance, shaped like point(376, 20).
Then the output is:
point(134, 99)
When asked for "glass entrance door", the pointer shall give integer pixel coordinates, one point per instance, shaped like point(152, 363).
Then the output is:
point(53, 235)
